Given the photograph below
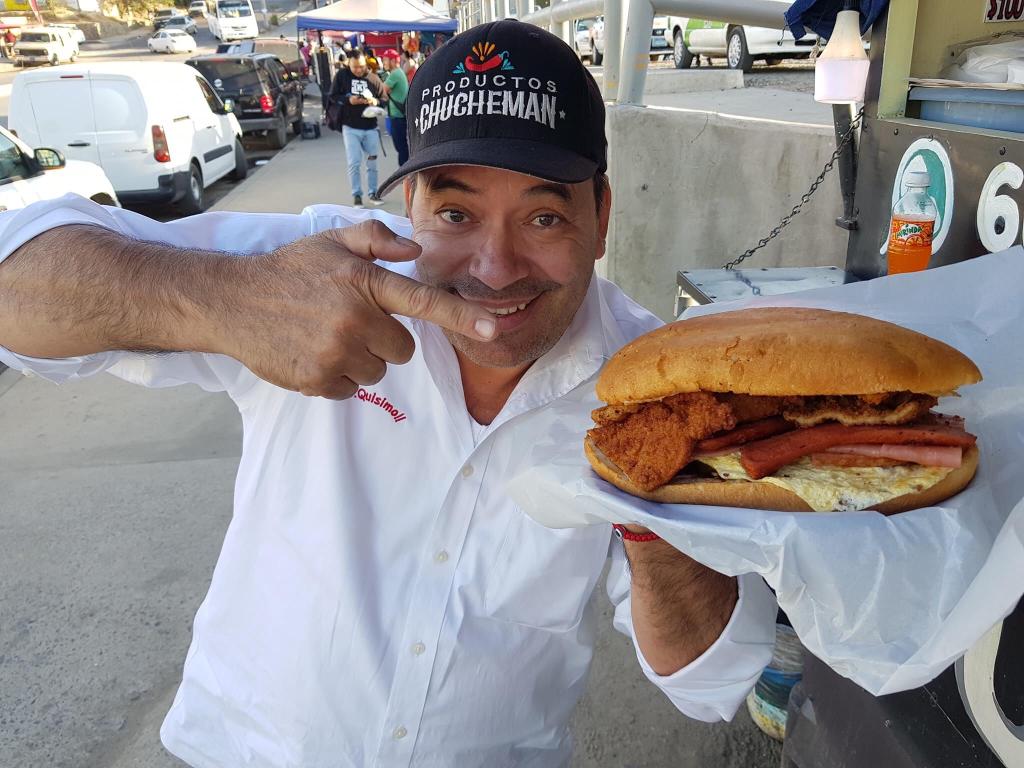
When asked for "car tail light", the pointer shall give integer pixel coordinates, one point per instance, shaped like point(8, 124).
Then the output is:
point(266, 104)
point(161, 151)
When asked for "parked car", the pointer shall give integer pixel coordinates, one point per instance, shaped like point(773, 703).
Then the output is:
point(287, 51)
point(181, 23)
point(76, 34)
point(197, 8)
point(660, 47)
point(162, 15)
point(171, 41)
point(27, 175)
point(45, 45)
point(266, 98)
point(738, 44)
point(581, 37)
point(158, 129)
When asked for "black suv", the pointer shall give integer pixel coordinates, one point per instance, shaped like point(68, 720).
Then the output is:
point(266, 97)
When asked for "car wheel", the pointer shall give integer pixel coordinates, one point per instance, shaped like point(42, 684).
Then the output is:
point(737, 54)
point(681, 56)
point(192, 202)
point(277, 136)
point(241, 162)
point(54, 61)
point(597, 57)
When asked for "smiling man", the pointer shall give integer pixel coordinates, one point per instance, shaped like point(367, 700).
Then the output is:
point(378, 599)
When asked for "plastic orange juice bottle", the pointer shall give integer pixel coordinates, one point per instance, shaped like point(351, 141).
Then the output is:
point(913, 223)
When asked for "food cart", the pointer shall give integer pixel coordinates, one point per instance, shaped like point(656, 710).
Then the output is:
point(970, 138)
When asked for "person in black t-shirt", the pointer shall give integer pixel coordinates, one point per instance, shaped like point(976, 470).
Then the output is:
point(356, 88)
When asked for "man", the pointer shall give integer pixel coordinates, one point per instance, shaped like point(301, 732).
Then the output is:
point(9, 40)
point(378, 599)
point(396, 86)
point(356, 88)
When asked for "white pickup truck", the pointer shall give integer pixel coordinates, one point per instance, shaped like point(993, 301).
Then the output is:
point(738, 44)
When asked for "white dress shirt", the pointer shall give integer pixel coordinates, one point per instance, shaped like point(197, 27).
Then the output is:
point(378, 599)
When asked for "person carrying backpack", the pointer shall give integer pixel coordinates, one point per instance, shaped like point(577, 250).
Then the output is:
point(396, 86)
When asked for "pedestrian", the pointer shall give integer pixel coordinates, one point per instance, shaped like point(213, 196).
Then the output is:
point(379, 600)
point(371, 59)
point(356, 88)
point(9, 40)
point(322, 63)
point(408, 65)
point(396, 86)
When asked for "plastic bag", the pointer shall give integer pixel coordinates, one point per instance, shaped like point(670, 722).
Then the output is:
point(986, 63)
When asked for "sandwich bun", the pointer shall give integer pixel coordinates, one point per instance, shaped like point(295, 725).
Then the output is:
point(782, 351)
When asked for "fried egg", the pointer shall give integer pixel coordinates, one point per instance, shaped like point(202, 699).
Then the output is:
point(836, 490)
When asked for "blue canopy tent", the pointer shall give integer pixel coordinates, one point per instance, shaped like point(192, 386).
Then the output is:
point(377, 16)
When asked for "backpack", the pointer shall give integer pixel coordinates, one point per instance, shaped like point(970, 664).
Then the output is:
point(333, 113)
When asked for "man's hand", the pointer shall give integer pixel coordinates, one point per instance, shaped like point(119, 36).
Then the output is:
point(313, 316)
point(317, 317)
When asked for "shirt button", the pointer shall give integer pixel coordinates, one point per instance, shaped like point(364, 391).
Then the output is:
point(467, 470)
point(418, 648)
point(400, 732)
point(441, 557)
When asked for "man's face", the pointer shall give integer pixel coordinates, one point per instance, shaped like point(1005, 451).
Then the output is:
point(358, 65)
point(522, 247)
point(389, 63)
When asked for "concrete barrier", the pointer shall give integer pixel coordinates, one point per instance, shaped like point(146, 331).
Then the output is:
point(693, 189)
point(687, 80)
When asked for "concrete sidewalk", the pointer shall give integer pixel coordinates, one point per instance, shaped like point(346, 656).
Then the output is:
point(115, 500)
point(307, 172)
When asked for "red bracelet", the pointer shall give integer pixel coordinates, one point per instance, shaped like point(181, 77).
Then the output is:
point(627, 535)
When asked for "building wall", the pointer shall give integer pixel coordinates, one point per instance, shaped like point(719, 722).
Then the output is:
point(694, 189)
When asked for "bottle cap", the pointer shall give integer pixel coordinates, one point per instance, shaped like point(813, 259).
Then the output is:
point(917, 179)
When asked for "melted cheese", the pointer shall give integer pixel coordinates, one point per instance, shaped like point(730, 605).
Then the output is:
point(837, 490)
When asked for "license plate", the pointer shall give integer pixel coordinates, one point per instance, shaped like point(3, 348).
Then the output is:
point(659, 42)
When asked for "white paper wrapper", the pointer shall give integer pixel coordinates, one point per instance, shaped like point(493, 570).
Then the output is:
point(888, 602)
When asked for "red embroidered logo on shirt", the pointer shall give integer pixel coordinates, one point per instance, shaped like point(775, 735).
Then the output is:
point(374, 399)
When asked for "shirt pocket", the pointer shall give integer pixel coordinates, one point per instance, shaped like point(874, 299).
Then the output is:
point(543, 577)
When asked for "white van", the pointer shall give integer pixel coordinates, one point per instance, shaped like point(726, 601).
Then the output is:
point(45, 45)
point(158, 129)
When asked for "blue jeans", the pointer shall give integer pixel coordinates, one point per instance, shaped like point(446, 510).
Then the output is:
point(396, 127)
point(357, 144)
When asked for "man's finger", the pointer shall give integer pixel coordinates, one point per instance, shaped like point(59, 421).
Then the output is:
point(390, 341)
point(399, 295)
point(373, 241)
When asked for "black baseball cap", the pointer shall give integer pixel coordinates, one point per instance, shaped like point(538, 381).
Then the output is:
point(506, 95)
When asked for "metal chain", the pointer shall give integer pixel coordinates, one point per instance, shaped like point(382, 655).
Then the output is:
point(846, 139)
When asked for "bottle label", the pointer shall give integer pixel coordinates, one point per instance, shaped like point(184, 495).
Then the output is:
point(912, 232)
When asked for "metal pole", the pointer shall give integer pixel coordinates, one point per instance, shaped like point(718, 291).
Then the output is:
point(842, 116)
point(612, 48)
point(636, 52)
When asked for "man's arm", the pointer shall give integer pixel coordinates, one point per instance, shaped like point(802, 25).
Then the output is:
point(311, 316)
point(679, 607)
point(337, 84)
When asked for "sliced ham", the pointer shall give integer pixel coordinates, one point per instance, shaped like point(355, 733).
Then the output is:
point(763, 457)
point(745, 433)
point(929, 455)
